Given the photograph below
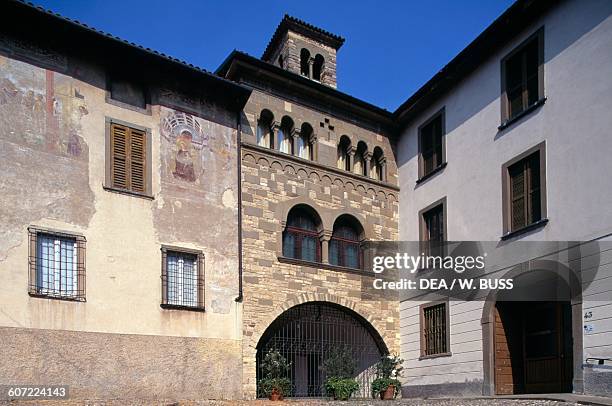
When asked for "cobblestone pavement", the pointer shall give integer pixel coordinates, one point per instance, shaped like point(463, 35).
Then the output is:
point(399, 402)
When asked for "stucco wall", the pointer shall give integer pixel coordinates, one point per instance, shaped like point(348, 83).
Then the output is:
point(574, 122)
point(52, 149)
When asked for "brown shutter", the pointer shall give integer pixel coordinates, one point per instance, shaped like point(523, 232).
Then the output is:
point(119, 156)
point(517, 195)
point(137, 160)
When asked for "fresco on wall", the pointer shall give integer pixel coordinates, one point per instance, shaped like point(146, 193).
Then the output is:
point(187, 140)
point(40, 121)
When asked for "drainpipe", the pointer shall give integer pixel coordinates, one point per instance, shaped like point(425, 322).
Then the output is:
point(239, 158)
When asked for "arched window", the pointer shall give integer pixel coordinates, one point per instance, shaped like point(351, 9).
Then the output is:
point(304, 147)
point(345, 243)
point(283, 136)
point(317, 67)
point(281, 61)
point(360, 165)
point(264, 128)
point(305, 62)
point(376, 166)
point(301, 236)
point(344, 162)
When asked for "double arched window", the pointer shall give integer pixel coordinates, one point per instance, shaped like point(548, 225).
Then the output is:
point(311, 68)
point(283, 136)
point(344, 161)
point(301, 235)
point(345, 243)
point(303, 239)
point(360, 166)
point(304, 147)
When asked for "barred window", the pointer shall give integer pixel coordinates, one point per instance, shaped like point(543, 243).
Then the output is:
point(182, 278)
point(57, 265)
point(300, 237)
point(434, 329)
point(345, 243)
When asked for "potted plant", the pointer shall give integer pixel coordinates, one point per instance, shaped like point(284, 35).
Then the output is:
point(387, 384)
point(340, 368)
point(275, 384)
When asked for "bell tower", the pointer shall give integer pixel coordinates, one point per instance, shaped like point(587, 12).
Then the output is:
point(305, 50)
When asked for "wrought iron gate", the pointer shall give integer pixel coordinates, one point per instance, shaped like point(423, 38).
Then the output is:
point(306, 334)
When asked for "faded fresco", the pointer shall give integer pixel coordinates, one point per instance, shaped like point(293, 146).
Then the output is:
point(197, 203)
point(40, 115)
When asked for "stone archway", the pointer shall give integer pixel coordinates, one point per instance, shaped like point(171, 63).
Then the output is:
point(254, 332)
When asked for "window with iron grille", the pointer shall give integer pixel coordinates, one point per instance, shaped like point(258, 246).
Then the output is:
point(522, 77)
point(431, 145)
point(57, 265)
point(434, 330)
point(524, 196)
point(345, 247)
point(128, 167)
point(433, 226)
point(182, 278)
point(300, 237)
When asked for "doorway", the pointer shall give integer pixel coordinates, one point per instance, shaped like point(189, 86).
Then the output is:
point(533, 347)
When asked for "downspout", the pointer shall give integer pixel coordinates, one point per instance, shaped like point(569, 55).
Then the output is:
point(239, 158)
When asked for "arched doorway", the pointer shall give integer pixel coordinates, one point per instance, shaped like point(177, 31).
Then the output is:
point(532, 338)
point(307, 333)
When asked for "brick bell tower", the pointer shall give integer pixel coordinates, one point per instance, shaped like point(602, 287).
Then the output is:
point(305, 50)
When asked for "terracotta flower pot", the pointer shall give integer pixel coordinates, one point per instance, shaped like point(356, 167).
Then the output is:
point(275, 395)
point(388, 394)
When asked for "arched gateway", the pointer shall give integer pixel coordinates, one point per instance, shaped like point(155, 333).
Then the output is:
point(306, 334)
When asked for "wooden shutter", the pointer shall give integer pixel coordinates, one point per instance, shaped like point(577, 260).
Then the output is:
point(525, 192)
point(138, 160)
point(119, 156)
point(128, 158)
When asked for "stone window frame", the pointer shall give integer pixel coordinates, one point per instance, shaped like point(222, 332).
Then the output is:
point(201, 278)
point(328, 218)
point(107, 185)
point(508, 233)
point(33, 257)
point(422, 347)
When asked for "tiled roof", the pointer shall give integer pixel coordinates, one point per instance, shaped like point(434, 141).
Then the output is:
point(292, 23)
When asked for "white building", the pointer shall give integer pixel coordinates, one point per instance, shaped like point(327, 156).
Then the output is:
point(530, 99)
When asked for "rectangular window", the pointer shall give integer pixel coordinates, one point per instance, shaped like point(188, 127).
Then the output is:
point(522, 77)
point(128, 159)
point(57, 265)
point(431, 145)
point(433, 228)
point(434, 330)
point(524, 190)
point(182, 279)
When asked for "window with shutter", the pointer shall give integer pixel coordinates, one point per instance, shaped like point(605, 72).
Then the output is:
point(128, 159)
point(522, 77)
point(433, 226)
point(525, 192)
point(431, 145)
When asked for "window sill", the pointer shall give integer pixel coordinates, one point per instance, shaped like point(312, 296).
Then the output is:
point(167, 306)
point(322, 265)
point(522, 114)
point(431, 174)
point(128, 192)
point(65, 298)
point(533, 226)
point(443, 354)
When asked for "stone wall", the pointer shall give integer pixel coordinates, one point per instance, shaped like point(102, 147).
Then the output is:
point(272, 184)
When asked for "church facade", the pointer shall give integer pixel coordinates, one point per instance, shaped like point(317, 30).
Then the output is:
point(164, 228)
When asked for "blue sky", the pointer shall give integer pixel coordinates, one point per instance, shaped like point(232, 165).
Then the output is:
point(391, 48)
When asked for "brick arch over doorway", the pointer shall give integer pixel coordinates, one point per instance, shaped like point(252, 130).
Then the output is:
point(254, 332)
